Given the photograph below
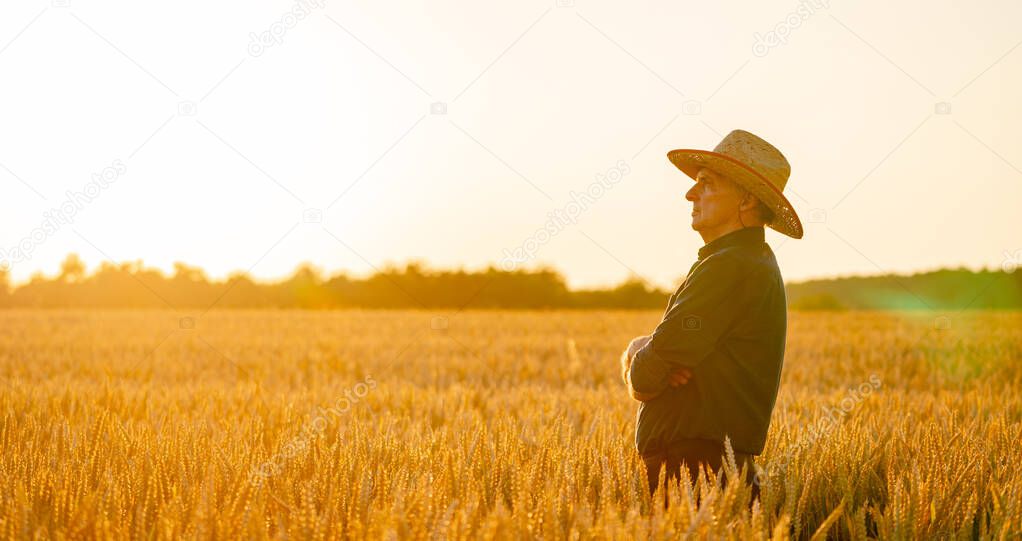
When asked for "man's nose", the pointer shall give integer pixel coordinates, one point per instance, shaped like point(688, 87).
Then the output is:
point(691, 194)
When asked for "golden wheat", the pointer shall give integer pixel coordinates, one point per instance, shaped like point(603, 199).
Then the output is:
point(410, 424)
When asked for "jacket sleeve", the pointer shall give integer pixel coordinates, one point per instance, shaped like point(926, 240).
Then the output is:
point(704, 309)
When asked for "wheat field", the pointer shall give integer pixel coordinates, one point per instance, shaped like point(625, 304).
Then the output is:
point(480, 424)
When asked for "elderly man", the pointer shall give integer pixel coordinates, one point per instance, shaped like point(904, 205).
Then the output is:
point(711, 368)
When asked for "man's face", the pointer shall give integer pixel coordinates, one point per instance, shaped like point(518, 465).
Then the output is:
point(715, 201)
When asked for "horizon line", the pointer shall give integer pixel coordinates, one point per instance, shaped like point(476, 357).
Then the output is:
point(428, 268)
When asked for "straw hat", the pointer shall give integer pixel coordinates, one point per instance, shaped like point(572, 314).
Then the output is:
point(754, 164)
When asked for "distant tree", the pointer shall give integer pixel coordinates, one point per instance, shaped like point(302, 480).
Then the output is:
point(187, 273)
point(5, 284)
point(72, 269)
point(823, 301)
point(239, 291)
point(304, 287)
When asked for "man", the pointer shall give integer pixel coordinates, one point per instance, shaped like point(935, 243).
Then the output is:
point(711, 368)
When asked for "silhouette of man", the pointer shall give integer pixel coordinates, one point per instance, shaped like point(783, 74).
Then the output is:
point(710, 370)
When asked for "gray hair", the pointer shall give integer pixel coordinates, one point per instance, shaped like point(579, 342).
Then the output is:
point(763, 212)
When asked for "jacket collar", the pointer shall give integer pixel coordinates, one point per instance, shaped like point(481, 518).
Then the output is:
point(747, 235)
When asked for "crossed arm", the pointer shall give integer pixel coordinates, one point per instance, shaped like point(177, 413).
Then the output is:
point(679, 377)
point(699, 315)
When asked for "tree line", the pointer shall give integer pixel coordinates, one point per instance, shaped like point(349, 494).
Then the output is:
point(132, 285)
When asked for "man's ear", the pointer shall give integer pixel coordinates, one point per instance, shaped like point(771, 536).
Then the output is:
point(747, 202)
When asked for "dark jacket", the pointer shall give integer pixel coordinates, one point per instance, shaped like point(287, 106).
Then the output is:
point(727, 324)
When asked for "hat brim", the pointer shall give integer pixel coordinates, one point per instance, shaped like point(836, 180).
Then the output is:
point(690, 161)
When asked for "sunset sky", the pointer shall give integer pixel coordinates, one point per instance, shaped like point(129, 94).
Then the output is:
point(366, 133)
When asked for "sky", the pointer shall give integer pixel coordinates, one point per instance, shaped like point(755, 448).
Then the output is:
point(258, 135)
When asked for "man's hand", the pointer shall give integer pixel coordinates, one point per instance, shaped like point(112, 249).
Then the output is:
point(680, 377)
